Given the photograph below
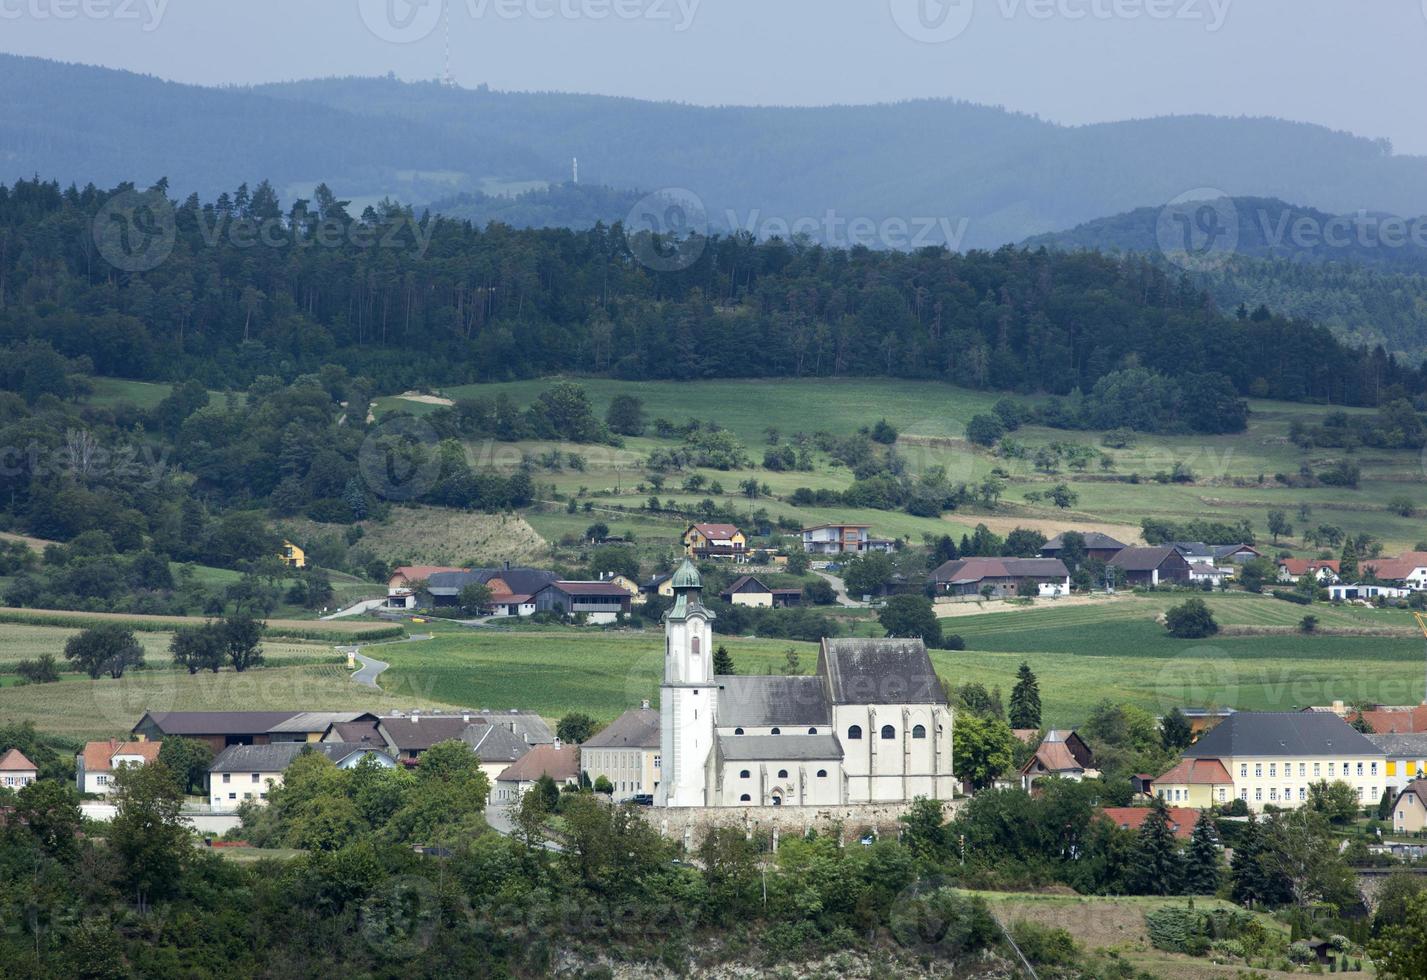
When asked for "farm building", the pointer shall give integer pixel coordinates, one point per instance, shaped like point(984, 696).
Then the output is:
point(1151, 566)
point(1004, 577)
point(1100, 547)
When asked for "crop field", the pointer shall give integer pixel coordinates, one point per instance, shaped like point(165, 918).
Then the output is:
point(337, 631)
point(1235, 475)
point(26, 642)
point(80, 708)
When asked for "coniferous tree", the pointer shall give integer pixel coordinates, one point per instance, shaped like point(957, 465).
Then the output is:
point(1158, 868)
point(1174, 731)
point(1202, 871)
point(723, 662)
point(1250, 886)
point(1025, 708)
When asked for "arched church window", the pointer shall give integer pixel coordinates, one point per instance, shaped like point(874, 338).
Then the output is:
point(855, 732)
point(782, 774)
point(888, 732)
point(744, 798)
point(695, 646)
point(745, 774)
point(812, 731)
point(919, 731)
point(822, 773)
point(738, 731)
point(776, 731)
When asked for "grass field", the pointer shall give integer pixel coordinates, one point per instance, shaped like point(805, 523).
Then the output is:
point(1235, 474)
point(439, 536)
point(26, 642)
point(339, 631)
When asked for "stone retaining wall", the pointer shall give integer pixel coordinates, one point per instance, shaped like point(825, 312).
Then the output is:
point(848, 821)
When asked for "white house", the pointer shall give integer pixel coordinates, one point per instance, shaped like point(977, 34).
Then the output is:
point(248, 773)
point(95, 764)
point(16, 771)
point(1349, 591)
point(871, 725)
point(1213, 574)
point(842, 539)
point(558, 761)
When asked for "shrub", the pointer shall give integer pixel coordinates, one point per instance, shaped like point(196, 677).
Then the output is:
point(1191, 621)
point(42, 671)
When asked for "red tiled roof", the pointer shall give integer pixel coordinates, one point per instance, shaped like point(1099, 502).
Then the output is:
point(1397, 721)
point(1302, 566)
point(1392, 569)
point(560, 763)
point(15, 761)
point(1181, 819)
point(97, 755)
point(1190, 772)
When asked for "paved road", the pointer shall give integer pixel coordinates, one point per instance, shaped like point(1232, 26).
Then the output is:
point(843, 599)
point(359, 608)
point(370, 670)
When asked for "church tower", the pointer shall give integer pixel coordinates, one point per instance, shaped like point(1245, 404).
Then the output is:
point(687, 696)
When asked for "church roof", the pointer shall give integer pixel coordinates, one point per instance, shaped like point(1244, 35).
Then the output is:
point(891, 671)
point(779, 748)
point(747, 701)
point(687, 576)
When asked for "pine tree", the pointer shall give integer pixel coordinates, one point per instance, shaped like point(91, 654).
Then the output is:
point(1245, 871)
point(723, 663)
point(1025, 700)
point(1175, 732)
point(1158, 869)
point(1202, 872)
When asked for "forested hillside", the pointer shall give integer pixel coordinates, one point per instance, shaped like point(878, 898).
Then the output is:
point(1005, 175)
point(1364, 276)
point(408, 302)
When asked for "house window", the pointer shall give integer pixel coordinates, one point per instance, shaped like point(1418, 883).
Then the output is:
point(255, 777)
point(1243, 770)
point(854, 733)
point(1258, 794)
point(745, 774)
point(776, 731)
point(1244, 795)
point(738, 731)
point(1272, 769)
point(1372, 767)
point(656, 762)
point(888, 732)
point(744, 798)
point(227, 777)
point(1317, 769)
point(1302, 794)
point(822, 773)
point(1331, 767)
point(1223, 794)
point(232, 796)
point(1302, 769)
point(1258, 770)
point(782, 774)
point(1360, 768)
point(919, 731)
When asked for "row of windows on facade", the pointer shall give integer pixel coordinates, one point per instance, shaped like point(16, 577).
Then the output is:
point(782, 774)
point(1303, 769)
point(228, 777)
point(855, 732)
point(1179, 795)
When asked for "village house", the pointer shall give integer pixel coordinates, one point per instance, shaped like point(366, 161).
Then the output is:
point(1151, 567)
point(16, 771)
point(508, 585)
point(1199, 783)
point(96, 763)
point(1234, 554)
point(1002, 578)
point(1181, 819)
point(660, 586)
point(721, 541)
point(248, 773)
point(1098, 547)
point(1215, 575)
point(1194, 552)
point(1366, 592)
point(1323, 570)
point(292, 556)
point(843, 539)
point(404, 584)
point(626, 753)
point(1409, 809)
point(219, 729)
point(1272, 758)
point(408, 736)
point(1406, 754)
point(1061, 754)
point(870, 725)
point(1408, 570)
point(1387, 719)
point(749, 591)
point(598, 602)
point(558, 761)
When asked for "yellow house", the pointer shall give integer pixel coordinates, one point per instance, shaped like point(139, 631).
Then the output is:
point(1272, 758)
point(1199, 783)
point(1409, 810)
point(292, 556)
point(715, 541)
point(626, 753)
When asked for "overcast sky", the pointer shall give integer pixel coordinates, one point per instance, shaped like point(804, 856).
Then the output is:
point(1349, 64)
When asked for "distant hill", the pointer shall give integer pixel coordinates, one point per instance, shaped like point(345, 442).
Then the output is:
point(986, 175)
point(1361, 275)
point(566, 205)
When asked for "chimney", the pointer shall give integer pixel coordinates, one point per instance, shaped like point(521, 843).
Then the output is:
point(415, 716)
point(558, 743)
point(466, 716)
point(507, 565)
point(644, 705)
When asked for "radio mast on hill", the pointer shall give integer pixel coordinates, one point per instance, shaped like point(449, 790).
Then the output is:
point(446, 78)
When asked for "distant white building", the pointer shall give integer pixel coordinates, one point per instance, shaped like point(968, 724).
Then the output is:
point(96, 763)
point(248, 773)
point(843, 539)
point(16, 771)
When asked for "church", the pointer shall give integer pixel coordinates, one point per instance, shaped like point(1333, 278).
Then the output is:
point(871, 726)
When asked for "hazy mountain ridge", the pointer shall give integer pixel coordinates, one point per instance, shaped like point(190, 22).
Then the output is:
point(1006, 175)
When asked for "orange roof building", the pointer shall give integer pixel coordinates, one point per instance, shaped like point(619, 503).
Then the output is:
point(16, 771)
point(94, 765)
point(1181, 819)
